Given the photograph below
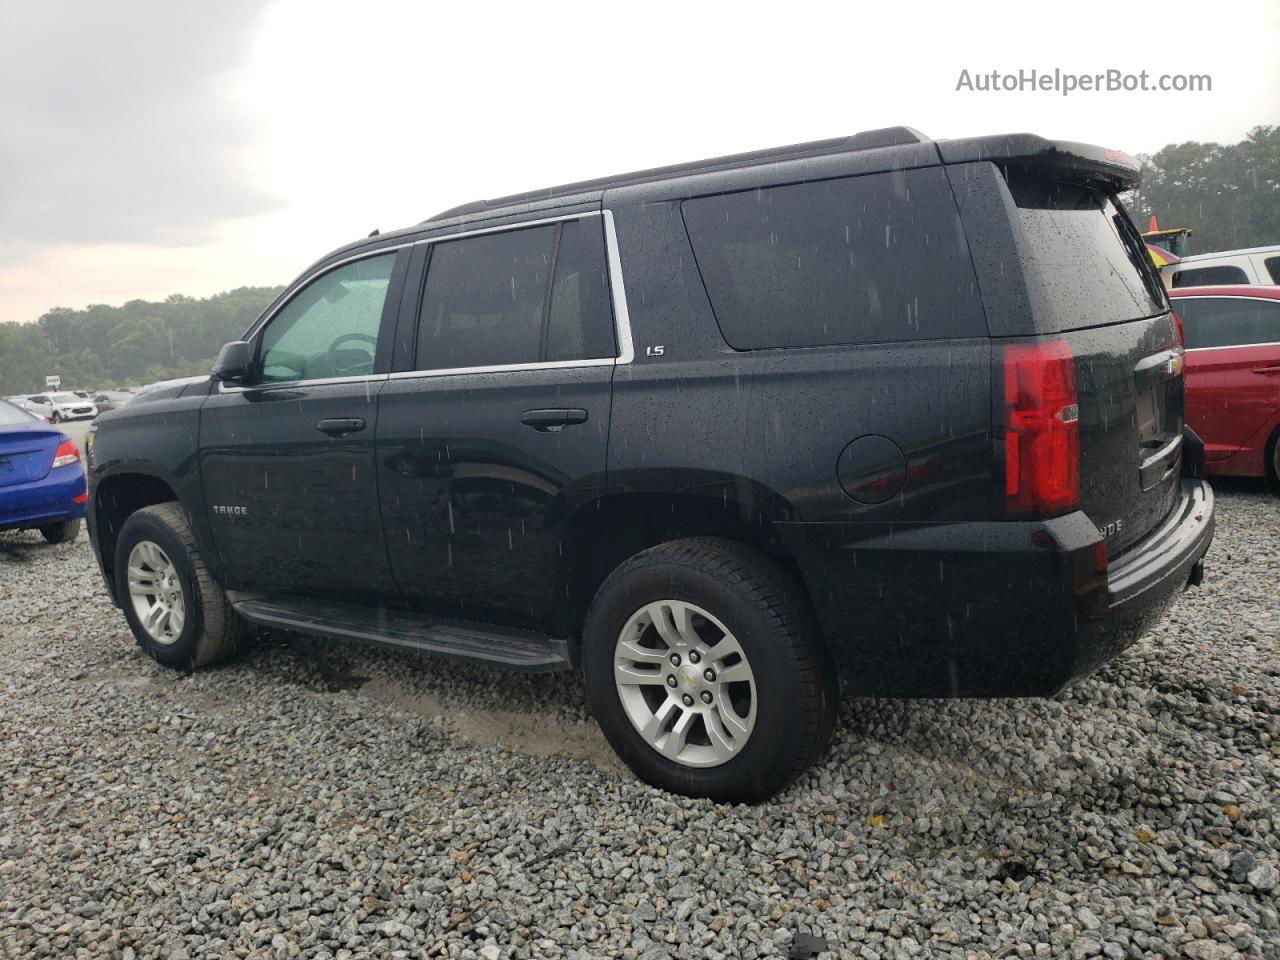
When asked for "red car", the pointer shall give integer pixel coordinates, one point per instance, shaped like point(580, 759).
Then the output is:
point(1233, 376)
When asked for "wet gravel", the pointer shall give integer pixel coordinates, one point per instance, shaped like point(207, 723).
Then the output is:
point(310, 799)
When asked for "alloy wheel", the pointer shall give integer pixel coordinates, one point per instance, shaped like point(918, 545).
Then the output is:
point(685, 683)
point(156, 592)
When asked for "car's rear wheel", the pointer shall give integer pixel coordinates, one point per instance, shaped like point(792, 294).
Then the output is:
point(61, 532)
point(704, 669)
point(177, 612)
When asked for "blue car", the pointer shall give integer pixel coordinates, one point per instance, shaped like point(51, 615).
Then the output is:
point(41, 477)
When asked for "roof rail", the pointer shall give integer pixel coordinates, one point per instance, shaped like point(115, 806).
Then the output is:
point(866, 140)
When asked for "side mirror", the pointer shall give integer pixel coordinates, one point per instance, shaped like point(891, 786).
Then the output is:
point(234, 361)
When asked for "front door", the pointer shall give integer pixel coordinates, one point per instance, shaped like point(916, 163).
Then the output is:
point(287, 459)
point(495, 432)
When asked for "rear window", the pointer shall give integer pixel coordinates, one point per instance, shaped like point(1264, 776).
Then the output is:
point(13, 416)
point(855, 260)
point(1209, 276)
point(1082, 243)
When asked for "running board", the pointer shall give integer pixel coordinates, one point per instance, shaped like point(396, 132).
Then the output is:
point(452, 640)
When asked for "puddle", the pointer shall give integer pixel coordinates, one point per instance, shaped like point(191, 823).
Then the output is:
point(532, 734)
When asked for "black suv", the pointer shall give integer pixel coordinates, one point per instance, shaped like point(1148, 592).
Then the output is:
point(879, 415)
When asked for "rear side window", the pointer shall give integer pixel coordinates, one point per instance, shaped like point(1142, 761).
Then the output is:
point(521, 296)
point(1273, 268)
point(855, 260)
point(11, 415)
point(1085, 248)
point(1228, 322)
point(1209, 276)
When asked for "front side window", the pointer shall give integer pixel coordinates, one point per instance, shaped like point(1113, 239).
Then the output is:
point(1225, 322)
point(330, 328)
point(530, 295)
point(1209, 276)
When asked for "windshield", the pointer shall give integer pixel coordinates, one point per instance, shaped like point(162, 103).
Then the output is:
point(65, 398)
point(12, 416)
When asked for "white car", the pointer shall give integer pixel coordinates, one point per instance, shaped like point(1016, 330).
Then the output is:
point(57, 407)
point(1256, 265)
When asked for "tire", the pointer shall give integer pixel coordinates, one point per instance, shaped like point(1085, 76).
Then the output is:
point(209, 628)
point(63, 532)
point(788, 706)
point(55, 417)
point(1272, 465)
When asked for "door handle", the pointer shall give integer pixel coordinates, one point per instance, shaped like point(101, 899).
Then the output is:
point(553, 420)
point(341, 426)
point(1272, 371)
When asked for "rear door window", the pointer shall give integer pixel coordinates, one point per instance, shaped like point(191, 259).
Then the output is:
point(855, 260)
point(1209, 322)
point(1209, 276)
point(1273, 268)
point(529, 295)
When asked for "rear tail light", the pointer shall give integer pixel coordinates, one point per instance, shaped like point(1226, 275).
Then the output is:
point(1041, 430)
point(1177, 329)
point(66, 454)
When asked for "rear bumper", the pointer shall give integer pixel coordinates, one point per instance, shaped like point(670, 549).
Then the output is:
point(51, 500)
point(991, 609)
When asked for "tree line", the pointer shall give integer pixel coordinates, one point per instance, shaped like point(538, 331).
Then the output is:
point(1229, 195)
point(101, 347)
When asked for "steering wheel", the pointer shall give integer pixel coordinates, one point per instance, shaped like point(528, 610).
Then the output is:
point(363, 337)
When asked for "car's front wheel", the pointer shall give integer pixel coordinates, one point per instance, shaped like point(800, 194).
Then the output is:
point(177, 612)
point(705, 671)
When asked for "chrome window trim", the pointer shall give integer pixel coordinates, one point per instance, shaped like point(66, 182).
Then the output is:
point(1235, 346)
point(224, 387)
point(266, 318)
point(617, 290)
point(1229, 296)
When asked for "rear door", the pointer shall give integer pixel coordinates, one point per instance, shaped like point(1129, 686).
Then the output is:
point(494, 429)
point(1233, 368)
point(287, 459)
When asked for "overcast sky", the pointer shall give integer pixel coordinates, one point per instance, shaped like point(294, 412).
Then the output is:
point(149, 147)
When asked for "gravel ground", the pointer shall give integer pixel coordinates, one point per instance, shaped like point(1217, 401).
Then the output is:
point(310, 799)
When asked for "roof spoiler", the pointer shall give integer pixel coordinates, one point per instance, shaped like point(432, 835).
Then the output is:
point(1112, 169)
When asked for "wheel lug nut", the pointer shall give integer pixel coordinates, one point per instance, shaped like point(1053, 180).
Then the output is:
point(710, 675)
point(688, 700)
point(694, 656)
point(706, 696)
point(671, 680)
point(675, 659)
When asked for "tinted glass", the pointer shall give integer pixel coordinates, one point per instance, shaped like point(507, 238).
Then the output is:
point(856, 260)
point(1082, 244)
point(1273, 268)
point(1209, 276)
point(580, 321)
point(485, 300)
point(330, 327)
point(491, 300)
point(11, 415)
point(1222, 322)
